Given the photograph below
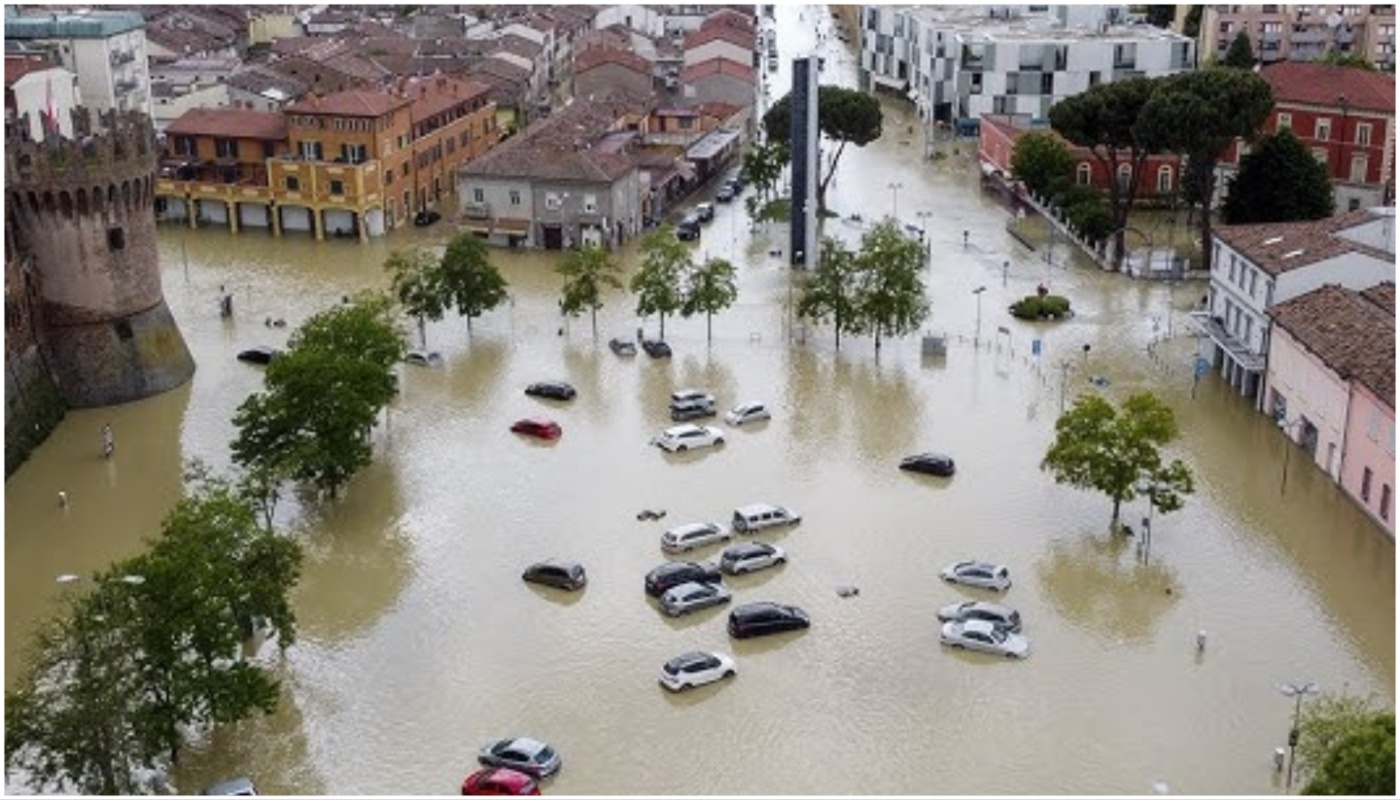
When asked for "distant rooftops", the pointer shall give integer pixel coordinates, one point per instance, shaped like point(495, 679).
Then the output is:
point(1278, 247)
point(1331, 86)
point(83, 24)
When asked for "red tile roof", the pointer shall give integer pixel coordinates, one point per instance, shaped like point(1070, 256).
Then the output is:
point(1383, 295)
point(719, 110)
point(437, 93)
point(351, 103)
point(1277, 247)
point(718, 66)
point(563, 146)
point(599, 55)
point(737, 36)
point(1350, 334)
point(17, 67)
point(1325, 84)
point(236, 123)
point(728, 17)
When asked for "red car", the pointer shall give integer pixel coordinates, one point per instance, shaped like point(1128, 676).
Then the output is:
point(499, 780)
point(539, 428)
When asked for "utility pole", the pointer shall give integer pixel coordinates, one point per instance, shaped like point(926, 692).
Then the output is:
point(1297, 692)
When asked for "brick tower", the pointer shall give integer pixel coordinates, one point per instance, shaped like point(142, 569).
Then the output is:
point(83, 209)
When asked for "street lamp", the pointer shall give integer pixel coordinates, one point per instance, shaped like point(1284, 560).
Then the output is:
point(924, 217)
point(1297, 692)
point(894, 192)
point(977, 335)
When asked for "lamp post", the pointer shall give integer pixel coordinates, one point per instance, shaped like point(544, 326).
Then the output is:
point(894, 197)
point(924, 217)
point(1297, 692)
point(977, 335)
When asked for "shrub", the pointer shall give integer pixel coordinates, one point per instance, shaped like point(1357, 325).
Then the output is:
point(1034, 307)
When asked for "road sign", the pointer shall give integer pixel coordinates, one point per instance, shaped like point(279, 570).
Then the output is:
point(1035, 347)
point(1202, 367)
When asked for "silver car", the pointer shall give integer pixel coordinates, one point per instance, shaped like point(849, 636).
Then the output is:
point(977, 634)
point(978, 573)
point(688, 537)
point(521, 753)
point(751, 556)
point(999, 615)
point(693, 596)
point(747, 412)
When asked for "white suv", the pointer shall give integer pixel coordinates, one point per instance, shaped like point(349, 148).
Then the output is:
point(688, 537)
point(681, 396)
point(685, 437)
point(758, 516)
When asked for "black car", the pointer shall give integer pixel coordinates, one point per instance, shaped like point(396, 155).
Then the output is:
point(929, 464)
point(725, 194)
point(705, 212)
point(761, 619)
point(674, 573)
point(692, 409)
point(689, 229)
point(553, 390)
point(425, 218)
point(656, 348)
point(259, 355)
point(559, 574)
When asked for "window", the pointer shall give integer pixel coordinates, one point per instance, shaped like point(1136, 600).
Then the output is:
point(353, 153)
point(1322, 131)
point(293, 184)
point(310, 150)
point(478, 195)
point(1094, 78)
point(1125, 176)
point(1285, 120)
point(1385, 502)
point(116, 239)
point(1253, 282)
point(1359, 163)
point(1363, 134)
point(1366, 485)
point(1320, 153)
point(1164, 179)
point(184, 145)
point(269, 149)
point(337, 187)
point(553, 201)
point(515, 197)
point(1083, 173)
point(590, 204)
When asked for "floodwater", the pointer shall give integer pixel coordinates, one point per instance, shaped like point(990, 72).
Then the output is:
point(419, 641)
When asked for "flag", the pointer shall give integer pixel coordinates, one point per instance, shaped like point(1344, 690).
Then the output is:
point(50, 117)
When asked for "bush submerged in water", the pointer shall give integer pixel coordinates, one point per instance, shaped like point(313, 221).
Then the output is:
point(1050, 306)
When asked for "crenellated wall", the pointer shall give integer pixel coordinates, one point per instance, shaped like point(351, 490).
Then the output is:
point(83, 212)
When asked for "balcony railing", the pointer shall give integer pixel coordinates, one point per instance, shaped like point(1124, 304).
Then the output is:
point(476, 210)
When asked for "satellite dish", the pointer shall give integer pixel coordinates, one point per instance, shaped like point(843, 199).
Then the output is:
point(1334, 20)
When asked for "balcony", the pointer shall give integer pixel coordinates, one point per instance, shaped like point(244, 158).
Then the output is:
point(472, 210)
point(1238, 351)
point(118, 57)
point(125, 86)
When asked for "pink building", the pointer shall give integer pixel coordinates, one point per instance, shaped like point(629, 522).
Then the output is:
point(1330, 384)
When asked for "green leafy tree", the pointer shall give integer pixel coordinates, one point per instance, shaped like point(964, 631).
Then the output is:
point(1346, 745)
point(1241, 54)
point(1199, 115)
point(414, 281)
point(322, 397)
point(828, 293)
point(1352, 60)
point(709, 288)
point(846, 116)
point(1088, 211)
point(889, 297)
point(469, 280)
point(1191, 26)
point(1043, 163)
point(1279, 180)
point(586, 272)
point(1117, 451)
point(658, 282)
point(763, 167)
point(1161, 16)
point(1105, 120)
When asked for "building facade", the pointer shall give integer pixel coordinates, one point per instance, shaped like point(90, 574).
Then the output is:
point(997, 137)
point(1302, 33)
point(42, 91)
point(105, 49)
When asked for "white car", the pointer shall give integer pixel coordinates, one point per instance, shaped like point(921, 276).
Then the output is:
point(687, 437)
point(681, 396)
point(979, 634)
point(978, 573)
point(696, 534)
point(693, 596)
point(424, 358)
point(757, 516)
point(696, 669)
point(751, 556)
point(747, 412)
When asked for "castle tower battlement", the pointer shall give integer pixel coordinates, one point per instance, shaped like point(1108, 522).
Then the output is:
point(83, 207)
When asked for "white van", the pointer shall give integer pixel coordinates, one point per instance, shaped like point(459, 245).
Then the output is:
point(758, 516)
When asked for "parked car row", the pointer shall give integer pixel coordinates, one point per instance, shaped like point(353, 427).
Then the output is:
point(977, 625)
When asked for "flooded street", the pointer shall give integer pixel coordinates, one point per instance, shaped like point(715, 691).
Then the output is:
point(419, 641)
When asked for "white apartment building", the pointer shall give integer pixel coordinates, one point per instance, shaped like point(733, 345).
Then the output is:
point(957, 63)
point(35, 88)
point(105, 49)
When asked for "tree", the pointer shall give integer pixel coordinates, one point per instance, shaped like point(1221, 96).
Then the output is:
point(658, 282)
point(414, 279)
point(586, 271)
point(889, 297)
point(1043, 163)
point(1161, 16)
point(1104, 120)
point(468, 278)
point(1346, 746)
point(1241, 54)
point(322, 398)
point(709, 288)
point(1198, 115)
point(1191, 26)
point(153, 651)
point(1279, 180)
point(763, 166)
point(847, 116)
point(1352, 60)
point(1116, 451)
point(829, 291)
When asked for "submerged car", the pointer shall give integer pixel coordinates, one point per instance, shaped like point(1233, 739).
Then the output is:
point(751, 556)
point(688, 437)
point(761, 619)
point(423, 358)
point(623, 347)
point(521, 753)
point(757, 516)
point(986, 637)
point(929, 464)
point(565, 575)
point(656, 348)
point(674, 573)
point(705, 211)
point(688, 537)
point(690, 597)
point(539, 428)
point(696, 668)
point(747, 412)
point(998, 615)
point(978, 573)
point(552, 390)
point(261, 355)
point(499, 781)
point(692, 409)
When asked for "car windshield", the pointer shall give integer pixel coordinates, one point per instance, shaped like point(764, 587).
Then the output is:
point(544, 755)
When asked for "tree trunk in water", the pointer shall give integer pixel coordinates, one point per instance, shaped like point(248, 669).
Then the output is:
point(1116, 504)
point(663, 326)
point(423, 331)
point(594, 313)
point(1207, 190)
point(830, 173)
point(709, 335)
point(469, 325)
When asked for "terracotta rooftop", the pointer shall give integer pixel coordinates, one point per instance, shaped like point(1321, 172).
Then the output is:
point(17, 67)
point(437, 93)
point(718, 66)
point(737, 36)
point(599, 55)
point(562, 147)
point(1383, 295)
point(1326, 84)
point(730, 18)
point(1278, 247)
point(1350, 334)
point(236, 123)
point(268, 83)
point(351, 103)
point(719, 110)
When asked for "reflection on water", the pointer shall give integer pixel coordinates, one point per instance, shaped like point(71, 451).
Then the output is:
point(1098, 582)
